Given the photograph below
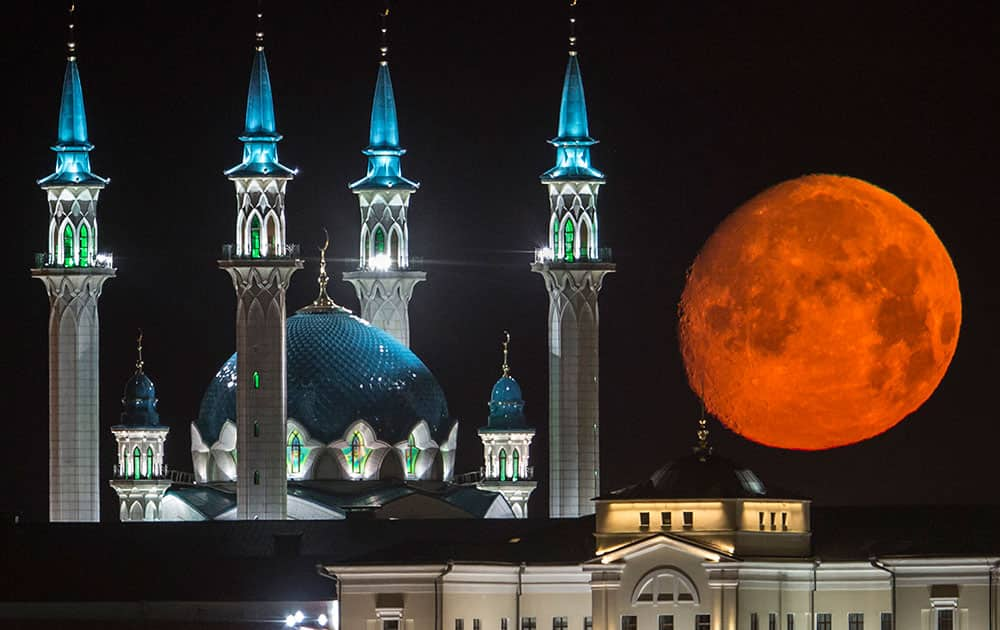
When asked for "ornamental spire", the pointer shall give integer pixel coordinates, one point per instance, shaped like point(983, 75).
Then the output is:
point(506, 349)
point(138, 347)
point(260, 132)
point(384, 167)
point(72, 146)
point(573, 141)
point(322, 303)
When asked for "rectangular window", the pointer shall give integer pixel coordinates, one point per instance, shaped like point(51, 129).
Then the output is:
point(665, 520)
point(588, 623)
point(945, 619)
point(855, 621)
point(390, 624)
point(666, 622)
point(503, 623)
point(528, 623)
point(703, 622)
point(772, 621)
point(460, 624)
point(886, 621)
point(784, 521)
point(790, 622)
point(760, 520)
point(256, 477)
point(476, 625)
point(754, 623)
point(256, 429)
point(824, 621)
point(559, 623)
point(774, 524)
point(629, 622)
point(643, 520)
point(688, 520)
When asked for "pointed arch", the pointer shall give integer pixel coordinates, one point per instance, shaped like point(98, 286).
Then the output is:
point(357, 456)
point(255, 236)
point(83, 238)
point(295, 453)
point(503, 465)
point(569, 239)
point(396, 245)
point(585, 238)
point(241, 239)
point(365, 244)
point(150, 511)
point(378, 237)
point(135, 512)
point(515, 462)
point(149, 462)
point(272, 232)
point(554, 236)
point(123, 473)
point(67, 245)
point(136, 463)
point(411, 455)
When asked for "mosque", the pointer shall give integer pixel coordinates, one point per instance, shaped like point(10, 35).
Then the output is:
point(329, 447)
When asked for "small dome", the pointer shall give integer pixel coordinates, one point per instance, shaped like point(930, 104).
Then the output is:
point(341, 369)
point(699, 476)
point(139, 402)
point(506, 405)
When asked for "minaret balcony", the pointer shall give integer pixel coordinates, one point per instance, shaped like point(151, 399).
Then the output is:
point(48, 260)
point(290, 251)
point(546, 255)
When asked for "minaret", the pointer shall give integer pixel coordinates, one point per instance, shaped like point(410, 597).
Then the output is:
point(73, 273)
point(384, 280)
point(573, 266)
point(140, 477)
point(506, 443)
point(261, 267)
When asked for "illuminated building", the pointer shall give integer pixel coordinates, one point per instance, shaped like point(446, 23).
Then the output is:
point(384, 280)
point(573, 267)
point(74, 272)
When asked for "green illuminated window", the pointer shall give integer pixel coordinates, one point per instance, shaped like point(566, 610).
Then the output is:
point(149, 462)
point(514, 465)
point(256, 379)
point(136, 463)
point(295, 453)
point(68, 246)
point(568, 241)
point(357, 454)
point(412, 453)
point(255, 237)
point(503, 465)
point(84, 245)
point(379, 240)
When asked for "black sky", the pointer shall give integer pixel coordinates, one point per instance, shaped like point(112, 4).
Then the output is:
point(698, 107)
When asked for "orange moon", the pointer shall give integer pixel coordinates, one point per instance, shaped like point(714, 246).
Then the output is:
point(819, 314)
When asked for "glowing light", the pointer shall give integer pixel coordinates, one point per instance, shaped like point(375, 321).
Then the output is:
point(322, 619)
point(380, 262)
point(299, 617)
point(543, 254)
point(290, 621)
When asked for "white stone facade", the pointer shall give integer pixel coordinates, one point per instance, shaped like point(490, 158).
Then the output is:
point(261, 401)
point(385, 298)
point(74, 392)
point(506, 466)
point(260, 217)
point(574, 423)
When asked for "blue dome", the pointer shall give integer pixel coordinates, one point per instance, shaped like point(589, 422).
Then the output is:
point(506, 405)
point(139, 402)
point(341, 369)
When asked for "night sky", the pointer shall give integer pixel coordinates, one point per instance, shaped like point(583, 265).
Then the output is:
point(698, 107)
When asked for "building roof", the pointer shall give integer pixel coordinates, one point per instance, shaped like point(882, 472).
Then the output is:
point(506, 406)
point(700, 476)
point(341, 369)
point(573, 141)
point(260, 135)
point(139, 403)
point(73, 146)
point(384, 166)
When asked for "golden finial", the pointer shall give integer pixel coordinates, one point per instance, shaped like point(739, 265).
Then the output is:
point(506, 351)
point(260, 26)
point(384, 32)
point(138, 347)
point(71, 39)
point(323, 300)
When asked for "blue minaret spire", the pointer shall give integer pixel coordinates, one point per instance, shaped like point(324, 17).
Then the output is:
point(72, 146)
point(260, 133)
point(384, 167)
point(573, 142)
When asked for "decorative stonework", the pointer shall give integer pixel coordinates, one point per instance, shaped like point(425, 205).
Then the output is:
point(385, 299)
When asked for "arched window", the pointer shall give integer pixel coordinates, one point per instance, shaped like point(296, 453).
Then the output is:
point(568, 241)
point(84, 245)
point(379, 240)
point(149, 462)
point(272, 237)
point(136, 463)
point(68, 246)
point(123, 474)
point(665, 585)
point(394, 242)
point(295, 453)
point(503, 465)
point(365, 251)
point(514, 465)
point(256, 379)
point(255, 237)
point(555, 238)
point(584, 240)
point(357, 454)
point(412, 453)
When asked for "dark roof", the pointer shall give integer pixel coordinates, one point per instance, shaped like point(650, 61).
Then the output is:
point(859, 532)
point(701, 477)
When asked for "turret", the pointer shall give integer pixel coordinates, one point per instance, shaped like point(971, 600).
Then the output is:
point(507, 441)
point(384, 281)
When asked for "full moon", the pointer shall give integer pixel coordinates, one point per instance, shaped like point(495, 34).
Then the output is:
point(819, 314)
